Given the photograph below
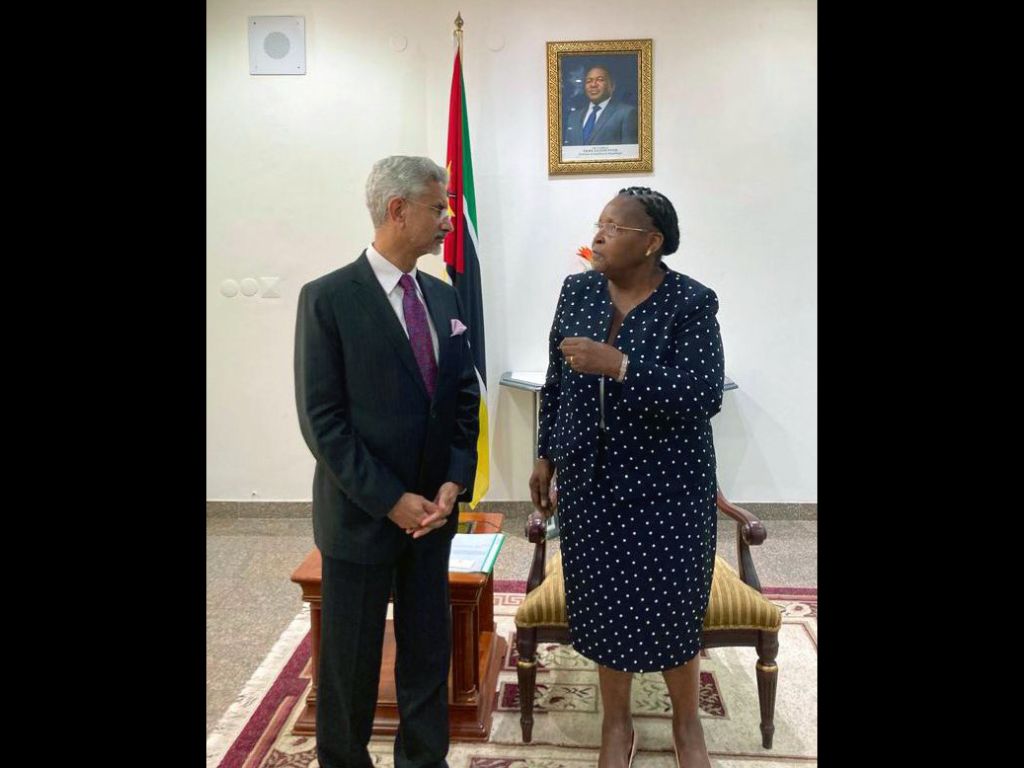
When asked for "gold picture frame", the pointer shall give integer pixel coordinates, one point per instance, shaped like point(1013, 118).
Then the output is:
point(580, 96)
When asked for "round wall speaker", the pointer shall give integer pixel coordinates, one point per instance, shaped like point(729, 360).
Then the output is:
point(277, 45)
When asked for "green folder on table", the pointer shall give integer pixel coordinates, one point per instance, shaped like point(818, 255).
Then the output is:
point(474, 552)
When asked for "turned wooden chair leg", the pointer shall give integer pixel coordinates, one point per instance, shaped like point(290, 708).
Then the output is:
point(767, 679)
point(526, 668)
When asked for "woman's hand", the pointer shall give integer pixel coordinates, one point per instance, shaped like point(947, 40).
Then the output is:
point(541, 491)
point(588, 356)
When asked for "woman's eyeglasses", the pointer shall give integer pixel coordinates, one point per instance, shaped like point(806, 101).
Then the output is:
point(613, 230)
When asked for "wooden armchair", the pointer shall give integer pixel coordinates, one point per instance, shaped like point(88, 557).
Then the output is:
point(738, 614)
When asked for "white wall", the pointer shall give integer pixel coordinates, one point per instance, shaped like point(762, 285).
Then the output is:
point(735, 147)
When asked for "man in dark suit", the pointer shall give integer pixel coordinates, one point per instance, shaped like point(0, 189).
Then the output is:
point(388, 404)
point(604, 121)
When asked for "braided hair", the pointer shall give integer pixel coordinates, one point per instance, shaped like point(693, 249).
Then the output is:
point(662, 213)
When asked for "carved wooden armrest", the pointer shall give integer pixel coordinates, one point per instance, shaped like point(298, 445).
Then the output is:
point(749, 527)
point(536, 533)
point(536, 528)
point(750, 531)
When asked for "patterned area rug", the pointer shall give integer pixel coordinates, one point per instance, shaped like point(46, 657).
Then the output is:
point(256, 730)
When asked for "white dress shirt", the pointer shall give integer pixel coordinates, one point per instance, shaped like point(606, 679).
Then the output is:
point(388, 275)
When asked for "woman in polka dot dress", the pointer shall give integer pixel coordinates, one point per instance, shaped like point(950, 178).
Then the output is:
point(635, 374)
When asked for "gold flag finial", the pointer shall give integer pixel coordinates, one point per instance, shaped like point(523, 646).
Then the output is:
point(458, 31)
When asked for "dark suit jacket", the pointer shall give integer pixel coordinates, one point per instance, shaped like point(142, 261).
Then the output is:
point(616, 124)
point(365, 414)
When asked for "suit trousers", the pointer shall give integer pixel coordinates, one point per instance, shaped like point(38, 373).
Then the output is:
point(353, 615)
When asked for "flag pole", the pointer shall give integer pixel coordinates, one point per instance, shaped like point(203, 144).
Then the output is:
point(458, 32)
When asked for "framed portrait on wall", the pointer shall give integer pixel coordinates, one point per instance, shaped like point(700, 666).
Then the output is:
point(599, 106)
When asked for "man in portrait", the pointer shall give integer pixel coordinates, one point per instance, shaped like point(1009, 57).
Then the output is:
point(606, 120)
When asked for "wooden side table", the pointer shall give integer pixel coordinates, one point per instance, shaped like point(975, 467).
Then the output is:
point(477, 650)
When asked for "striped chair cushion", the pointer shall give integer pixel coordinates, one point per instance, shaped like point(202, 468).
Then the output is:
point(734, 605)
point(545, 606)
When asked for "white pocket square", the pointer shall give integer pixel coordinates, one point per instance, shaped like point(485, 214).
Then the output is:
point(457, 327)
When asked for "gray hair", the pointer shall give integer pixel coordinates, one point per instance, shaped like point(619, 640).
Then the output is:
point(399, 176)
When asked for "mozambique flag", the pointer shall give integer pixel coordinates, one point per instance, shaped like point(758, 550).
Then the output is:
point(460, 257)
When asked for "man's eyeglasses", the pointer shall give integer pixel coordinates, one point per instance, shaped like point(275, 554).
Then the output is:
point(614, 230)
point(441, 211)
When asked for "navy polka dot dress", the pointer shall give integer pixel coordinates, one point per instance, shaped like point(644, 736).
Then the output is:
point(636, 471)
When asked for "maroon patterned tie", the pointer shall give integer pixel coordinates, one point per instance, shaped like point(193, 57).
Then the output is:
point(419, 333)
